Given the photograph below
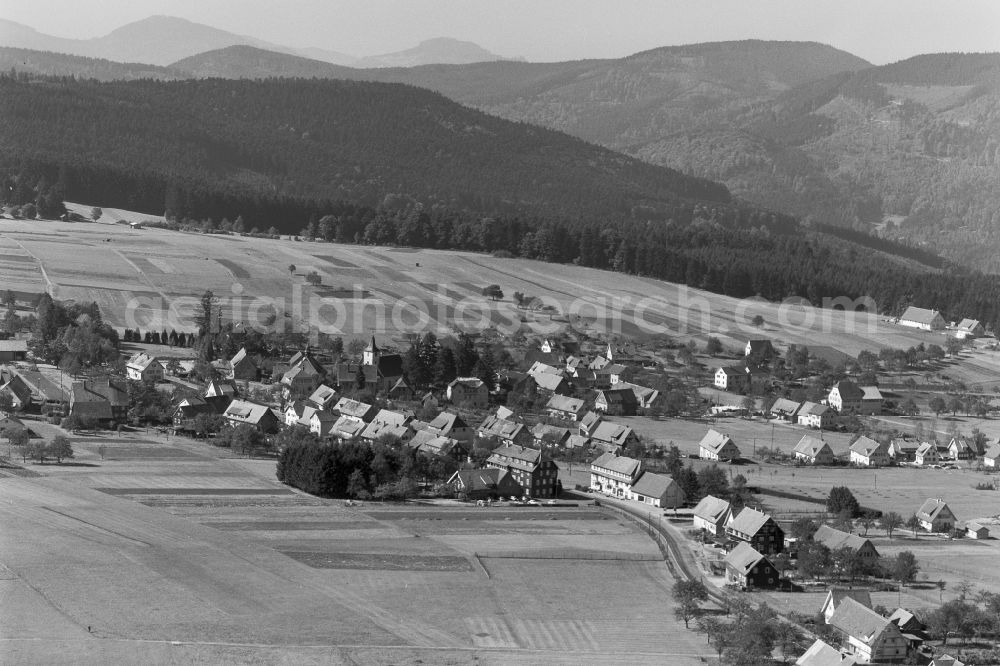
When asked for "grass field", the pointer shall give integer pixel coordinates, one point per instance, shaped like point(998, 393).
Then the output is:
point(170, 551)
point(388, 291)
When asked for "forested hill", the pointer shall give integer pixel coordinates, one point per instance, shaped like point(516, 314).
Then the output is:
point(59, 64)
point(353, 141)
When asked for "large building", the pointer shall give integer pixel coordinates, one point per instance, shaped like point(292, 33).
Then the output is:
point(145, 368)
point(538, 475)
point(928, 320)
point(870, 637)
point(835, 540)
point(749, 569)
point(717, 446)
point(757, 529)
point(657, 490)
point(813, 451)
point(711, 515)
point(614, 475)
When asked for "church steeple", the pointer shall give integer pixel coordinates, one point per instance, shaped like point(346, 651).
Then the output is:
point(371, 353)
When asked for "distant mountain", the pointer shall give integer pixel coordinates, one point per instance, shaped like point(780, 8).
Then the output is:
point(161, 40)
point(60, 64)
point(442, 50)
point(248, 62)
point(353, 141)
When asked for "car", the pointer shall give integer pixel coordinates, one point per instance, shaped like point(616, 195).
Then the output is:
point(551, 502)
point(534, 502)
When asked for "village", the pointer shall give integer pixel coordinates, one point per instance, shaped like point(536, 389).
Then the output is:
point(509, 431)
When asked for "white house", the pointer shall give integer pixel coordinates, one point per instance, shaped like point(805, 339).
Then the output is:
point(837, 594)
point(717, 446)
point(145, 368)
point(991, 456)
point(969, 328)
point(815, 415)
point(813, 451)
point(935, 516)
point(711, 514)
point(928, 320)
point(732, 378)
point(869, 453)
point(927, 454)
point(614, 475)
point(870, 637)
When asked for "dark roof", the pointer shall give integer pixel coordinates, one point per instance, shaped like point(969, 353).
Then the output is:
point(749, 521)
point(834, 539)
point(920, 315)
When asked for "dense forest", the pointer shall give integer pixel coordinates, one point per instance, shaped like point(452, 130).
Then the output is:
point(351, 141)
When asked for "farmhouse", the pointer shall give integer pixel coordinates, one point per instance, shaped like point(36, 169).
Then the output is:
point(565, 407)
point(927, 320)
point(608, 376)
point(450, 424)
point(323, 396)
point(620, 402)
point(836, 595)
point(935, 516)
point(376, 429)
point(815, 415)
point(346, 428)
point(905, 620)
point(358, 411)
point(822, 654)
point(491, 483)
point(974, 530)
point(835, 539)
point(870, 637)
point(901, 449)
point(711, 514)
point(991, 456)
point(18, 392)
point(657, 490)
point(13, 350)
point(589, 422)
point(242, 367)
point(615, 435)
point(104, 399)
point(470, 392)
point(547, 384)
point(867, 452)
point(304, 375)
point(320, 423)
point(962, 448)
point(716, 446)
point(927, 454)
point(544, 434)
point(145, 368)
point(813, 451)
point(847, 397)
point(536, 474)
point(48, 395)
point(257, 415)
point(614, 475)
point(644, 396)
point(758, 529)
point(400, 391)
point(87, 404)
point(969, 328)
point(785, 409)
point(504, 432)
point(732, 378)
point(749, 569)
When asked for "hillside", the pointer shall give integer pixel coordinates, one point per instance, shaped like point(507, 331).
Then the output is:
point(46, 63)
point(441, 50)
point(352, 141)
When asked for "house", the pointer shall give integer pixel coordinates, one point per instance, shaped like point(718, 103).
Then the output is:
point(103, 398)
point(18, 392)
point(293, 412)
point(847, 398)
point(187, 410)
point(399, 430)
point(565, 407)
point(785, 409)
point(544, 434)
point(242, 367)
point(935, 516)
point(144, 368)
point(733, 378)
point(320, 423)
point(449, 424)
point(815, 415)
point(870, 637)
point(711, 514)
point(991, 456)
point(813, 451)
point(836, 539)
point(323, 396)
point(588, 422)
point(346, 428)
point(50, 397)
point(866, 452)
point(614, 434)
point(644, 396)
point(927, 454)
point(962, 448)
point(927, 320)
point(537, 474)
point(504, 431)
point(836, 595)
point(217, 389)
point(582, 442)
point(969, 328)
point(614, 475)
point(361, 412)
point(946, 660)
point(901, 449)
point(658, 490)
point(974, 530)
point(822, 654)
point(437, 446)
point(759, 351)
point(749, 569)
point(620, 402)
point(717, 446)
point(13, 350)
point(470, 392)
point(89, 405)
point(548, 384)
point(906, 621)
point(257, 415)
point(758, 529)
point(303, 376)
point(400, 391)
point(480, 484)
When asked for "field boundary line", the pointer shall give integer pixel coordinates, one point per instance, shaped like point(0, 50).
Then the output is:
point(479, 560)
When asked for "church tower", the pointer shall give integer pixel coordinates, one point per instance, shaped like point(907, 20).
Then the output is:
point(371, 353)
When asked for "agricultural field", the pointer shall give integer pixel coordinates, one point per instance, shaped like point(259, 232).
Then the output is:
point(167, 550)
point(152, 278)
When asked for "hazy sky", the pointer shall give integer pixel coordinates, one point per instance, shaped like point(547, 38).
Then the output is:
point(879, 30)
